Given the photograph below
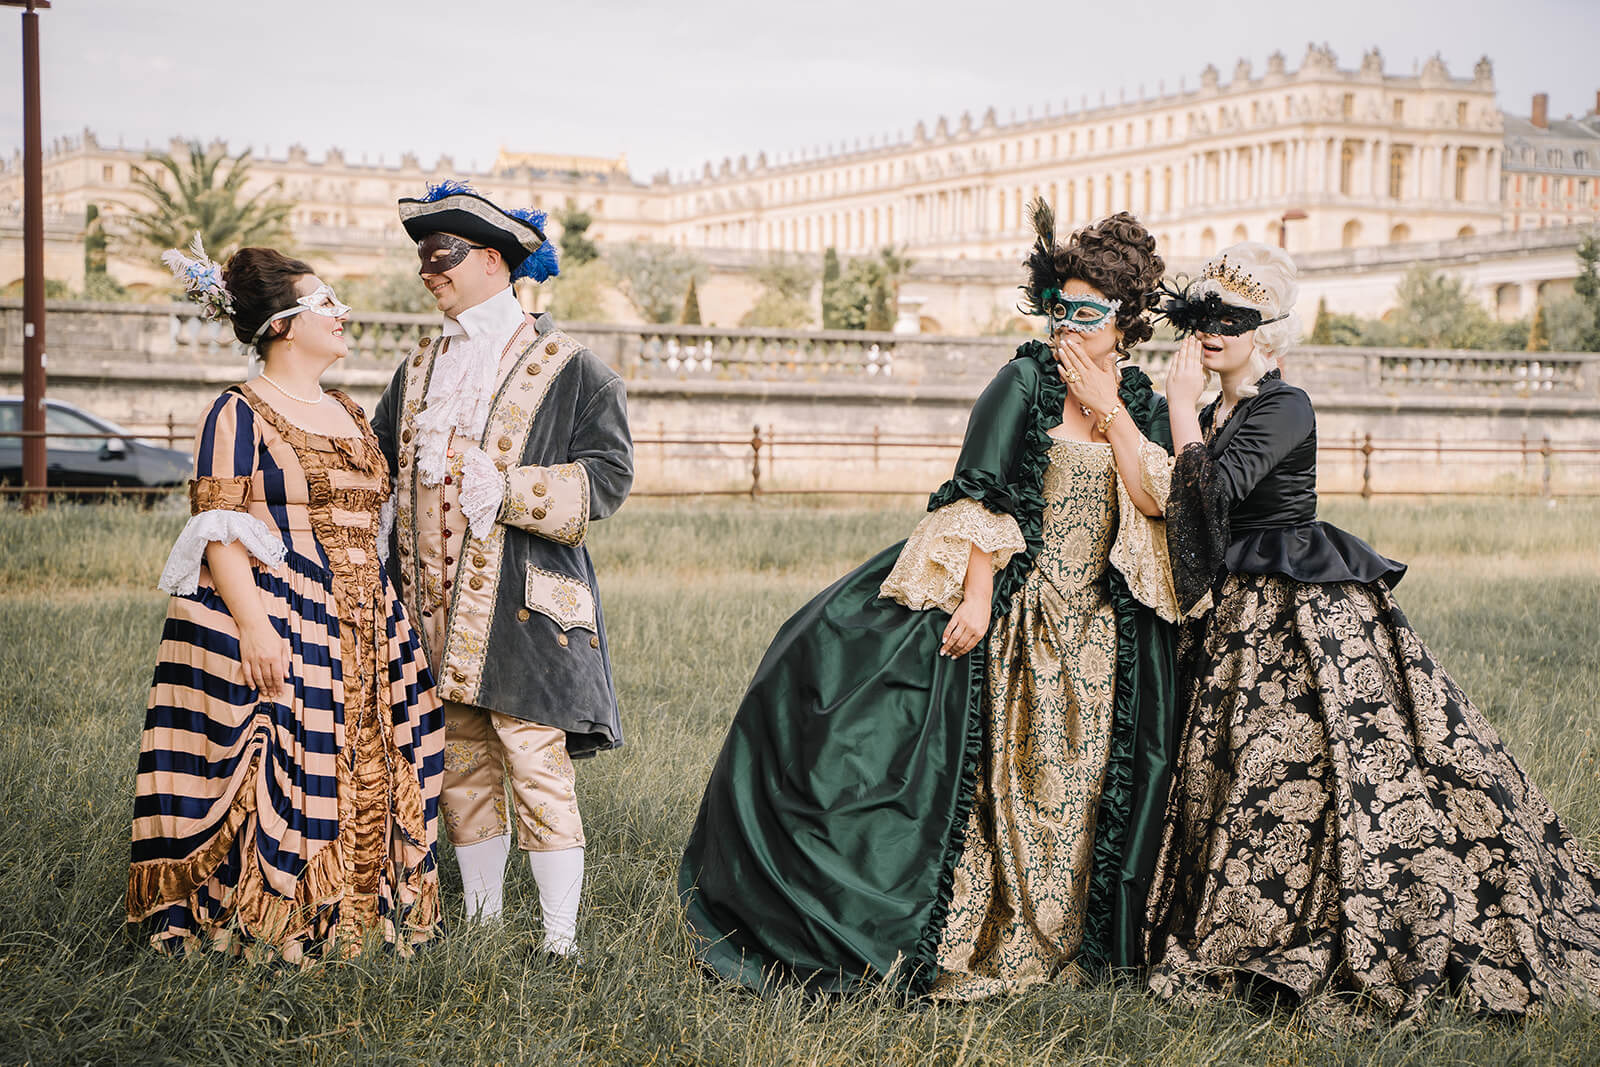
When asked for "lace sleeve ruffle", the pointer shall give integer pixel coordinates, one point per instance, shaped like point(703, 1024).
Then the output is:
point(932, 569)
point(385, 527)
point(1140, 550)
point(1198, 528)
point(182, 572)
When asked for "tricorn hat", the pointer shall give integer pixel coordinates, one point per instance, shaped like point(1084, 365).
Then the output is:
point(454, 207)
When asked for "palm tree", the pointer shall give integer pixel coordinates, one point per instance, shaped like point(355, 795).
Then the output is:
point(205, 195)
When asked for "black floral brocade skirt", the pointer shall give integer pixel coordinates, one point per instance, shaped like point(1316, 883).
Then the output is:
point(1344, 821)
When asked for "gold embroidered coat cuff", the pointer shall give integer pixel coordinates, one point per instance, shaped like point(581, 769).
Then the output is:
point(932, 569)
point(1140, 551)
point(552, 502)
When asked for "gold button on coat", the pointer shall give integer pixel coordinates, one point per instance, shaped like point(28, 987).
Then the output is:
point(505, 444)
point(406, 436)
point(594, 642)
point(475, 582)
point(523, 614)
point(533, 368)
point(551, 348)
point(562, 640)
point(479, 561)
point(417, 360)
point(538, 513)
point(458, 695)
point(425, 342)
point(538, 489)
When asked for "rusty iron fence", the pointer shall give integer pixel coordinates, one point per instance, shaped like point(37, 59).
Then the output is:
point(1526, 467)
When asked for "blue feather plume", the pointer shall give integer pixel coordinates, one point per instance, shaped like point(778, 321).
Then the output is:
point(448, 187)
point(542, 264)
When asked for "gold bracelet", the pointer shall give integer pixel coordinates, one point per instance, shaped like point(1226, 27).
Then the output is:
point(1107, 419)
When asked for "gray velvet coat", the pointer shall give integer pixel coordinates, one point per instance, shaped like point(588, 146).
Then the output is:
point(525, 632)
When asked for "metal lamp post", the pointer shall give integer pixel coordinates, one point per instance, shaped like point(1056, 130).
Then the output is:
point(33, 358)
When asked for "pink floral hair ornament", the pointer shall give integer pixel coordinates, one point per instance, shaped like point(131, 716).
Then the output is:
point(201, 278)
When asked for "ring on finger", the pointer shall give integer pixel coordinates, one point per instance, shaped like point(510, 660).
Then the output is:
point(1074, 378)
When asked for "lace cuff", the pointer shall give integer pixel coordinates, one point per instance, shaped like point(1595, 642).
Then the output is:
point(1140, 550)
point(1198, 528)
point(385, 527)
point(219, 494)
point(181, 575)
point(932, 569)
point(483, 487)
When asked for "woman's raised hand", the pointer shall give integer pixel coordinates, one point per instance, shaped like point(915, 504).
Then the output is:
point(1090, 384)
point(1186, 376)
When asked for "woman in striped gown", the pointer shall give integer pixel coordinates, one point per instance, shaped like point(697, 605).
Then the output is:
point(289, 773)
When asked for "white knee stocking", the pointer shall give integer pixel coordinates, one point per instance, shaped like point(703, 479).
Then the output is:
point(560, 878)
point(483, 875)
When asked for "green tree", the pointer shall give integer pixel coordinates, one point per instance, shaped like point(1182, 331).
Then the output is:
point(576, 247)
point(1322, 329)
point(831, 294)
point(1587, 289)
point(204, 193)
point(98, 285)
point(878, 315)
point(1538, 331)
point(1569, 324)
point(691, 306)
point(577, 294)
point(1435, 310)
point(393, 287)
point(654, 278)
point(785, 298)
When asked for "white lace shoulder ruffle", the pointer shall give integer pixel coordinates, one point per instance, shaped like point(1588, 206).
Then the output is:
point(181, 575)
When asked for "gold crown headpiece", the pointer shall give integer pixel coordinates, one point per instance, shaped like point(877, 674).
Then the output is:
point(1236, 280)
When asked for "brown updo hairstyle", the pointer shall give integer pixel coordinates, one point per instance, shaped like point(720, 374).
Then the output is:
point(1116, 255)
point(260, 283)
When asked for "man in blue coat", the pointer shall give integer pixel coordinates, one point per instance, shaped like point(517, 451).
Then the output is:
point(505, 439)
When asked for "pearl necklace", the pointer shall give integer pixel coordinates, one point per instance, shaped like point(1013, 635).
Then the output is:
point(291, 396)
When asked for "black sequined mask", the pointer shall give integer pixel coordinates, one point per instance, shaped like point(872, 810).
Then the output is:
point(1207, 314)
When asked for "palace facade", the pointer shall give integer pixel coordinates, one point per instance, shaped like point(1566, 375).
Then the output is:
point(1322, 158)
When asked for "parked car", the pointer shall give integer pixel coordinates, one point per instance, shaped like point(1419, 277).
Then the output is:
point(113, 459)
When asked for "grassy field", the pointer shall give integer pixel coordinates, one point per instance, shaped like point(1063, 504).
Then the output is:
point(1508, 595)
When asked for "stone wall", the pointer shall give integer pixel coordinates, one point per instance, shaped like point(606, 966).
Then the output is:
point(856, 409)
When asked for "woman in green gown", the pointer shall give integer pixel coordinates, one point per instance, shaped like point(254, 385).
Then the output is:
point(948, 772)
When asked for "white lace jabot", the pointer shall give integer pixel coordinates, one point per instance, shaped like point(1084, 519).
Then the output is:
point(464, 379)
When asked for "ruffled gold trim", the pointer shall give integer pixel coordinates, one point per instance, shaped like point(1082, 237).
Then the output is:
point(932, 569)
point(219, 494)
point(1140, 550)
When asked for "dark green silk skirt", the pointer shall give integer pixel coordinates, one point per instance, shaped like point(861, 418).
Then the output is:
point(835, 814)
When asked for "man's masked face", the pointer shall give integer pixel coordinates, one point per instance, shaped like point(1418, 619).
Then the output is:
point(439, 252)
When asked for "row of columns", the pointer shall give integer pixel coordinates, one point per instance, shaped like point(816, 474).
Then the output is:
point(1284, 168)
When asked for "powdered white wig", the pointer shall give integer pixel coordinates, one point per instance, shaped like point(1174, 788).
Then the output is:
point(1253, 275)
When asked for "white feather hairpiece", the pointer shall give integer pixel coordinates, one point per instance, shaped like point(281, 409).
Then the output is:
point(201, 278)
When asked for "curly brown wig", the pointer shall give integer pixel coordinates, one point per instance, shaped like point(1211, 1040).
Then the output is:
point(1116, 255)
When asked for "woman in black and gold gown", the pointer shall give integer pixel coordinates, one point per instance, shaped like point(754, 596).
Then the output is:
point(950, 767)
point(1344, 825)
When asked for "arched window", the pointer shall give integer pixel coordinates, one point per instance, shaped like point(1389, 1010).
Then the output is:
point(1347, 167)
point(1466, 231)
point(1397, 173)
point(1351, 235)
point(1240, 233)
point(1399, 233)
point(1208, 241)
point(1461, 174)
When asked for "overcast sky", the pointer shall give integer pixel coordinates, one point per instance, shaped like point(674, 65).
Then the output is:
point(673, 85)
